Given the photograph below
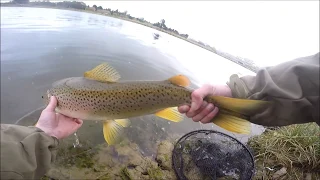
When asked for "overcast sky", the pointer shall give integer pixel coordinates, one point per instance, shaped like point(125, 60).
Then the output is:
point(266, 32)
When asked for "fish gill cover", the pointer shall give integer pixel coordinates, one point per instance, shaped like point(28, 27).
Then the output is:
point(208, 154)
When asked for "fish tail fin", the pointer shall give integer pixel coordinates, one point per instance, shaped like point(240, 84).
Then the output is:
point(232, 123)
point(113, 130)
point(234, 113)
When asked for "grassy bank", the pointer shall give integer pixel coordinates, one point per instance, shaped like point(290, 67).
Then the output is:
point(230, 57)
point(291, 152)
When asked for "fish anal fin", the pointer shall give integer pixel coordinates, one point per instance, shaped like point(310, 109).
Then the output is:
point(112, 131)
point(123, 122)
point(232, 123)
point(103, 73)
point(171, 114)
point(180, 80)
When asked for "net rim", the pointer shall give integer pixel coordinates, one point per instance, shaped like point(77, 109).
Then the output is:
point(209, 131)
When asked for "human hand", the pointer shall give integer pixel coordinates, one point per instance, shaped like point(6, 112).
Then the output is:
point(55, 124)
point(201, 110)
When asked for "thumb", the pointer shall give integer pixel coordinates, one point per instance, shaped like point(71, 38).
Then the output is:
point(198, 95)
point(52, 104)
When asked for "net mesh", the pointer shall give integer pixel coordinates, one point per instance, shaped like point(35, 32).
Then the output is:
point(208, 154)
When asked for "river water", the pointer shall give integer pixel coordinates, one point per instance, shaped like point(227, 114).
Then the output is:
point(40, 46)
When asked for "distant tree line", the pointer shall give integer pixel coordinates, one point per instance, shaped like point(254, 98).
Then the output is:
point(162, 25)
point(20, 1)
point(64, 4)
point(83, 6)
point(72, 4)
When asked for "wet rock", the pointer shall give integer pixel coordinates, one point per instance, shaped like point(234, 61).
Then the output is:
point(164, 155)
point(170, 175)
point(140, 170)
point(105, 157)
point(135, 174)
point(155, 173)
point(55, 173)
point(122, 161)
point(279, 173)
point(147, 163)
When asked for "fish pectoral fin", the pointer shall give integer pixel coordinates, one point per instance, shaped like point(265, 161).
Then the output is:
point(171, 114)
point(232, 123)
point(123, 122)
point(112, 131)
point(103, 73)
point(180, 80)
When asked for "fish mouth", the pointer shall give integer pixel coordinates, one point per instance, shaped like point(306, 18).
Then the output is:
point(46, 97)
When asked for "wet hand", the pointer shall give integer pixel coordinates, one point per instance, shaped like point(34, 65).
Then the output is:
point(201, 110)
point(55, 124)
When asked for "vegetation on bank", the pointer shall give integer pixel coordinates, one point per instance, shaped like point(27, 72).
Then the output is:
point(290, 152)
point(160, 26)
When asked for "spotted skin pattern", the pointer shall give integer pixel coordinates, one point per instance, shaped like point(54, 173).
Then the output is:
point(88, 99)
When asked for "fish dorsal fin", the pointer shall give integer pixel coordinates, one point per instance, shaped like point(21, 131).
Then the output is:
point(180, 80)
point(103, 73)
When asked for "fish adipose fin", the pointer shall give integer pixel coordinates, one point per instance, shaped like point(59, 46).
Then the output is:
point(171, 114)
point(103, 73)
point(113, 130)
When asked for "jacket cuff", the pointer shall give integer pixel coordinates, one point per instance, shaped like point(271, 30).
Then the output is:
point(238, 87)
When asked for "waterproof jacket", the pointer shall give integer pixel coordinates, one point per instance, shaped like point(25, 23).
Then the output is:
point(293, 88)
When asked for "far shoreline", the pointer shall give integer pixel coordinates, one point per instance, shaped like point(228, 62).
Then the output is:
point(213, 50)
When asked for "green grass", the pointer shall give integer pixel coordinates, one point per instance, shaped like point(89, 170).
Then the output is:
point(295, 147)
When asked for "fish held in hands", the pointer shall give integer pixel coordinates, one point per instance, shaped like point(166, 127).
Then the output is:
point(98, 95)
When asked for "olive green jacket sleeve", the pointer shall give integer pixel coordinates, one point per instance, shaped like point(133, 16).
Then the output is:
point(292, 87)
point(26, 152)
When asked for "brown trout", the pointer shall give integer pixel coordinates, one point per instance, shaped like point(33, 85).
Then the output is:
point(100, 96)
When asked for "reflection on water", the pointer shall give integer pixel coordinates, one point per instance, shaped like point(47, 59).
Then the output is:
point(40, 46)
